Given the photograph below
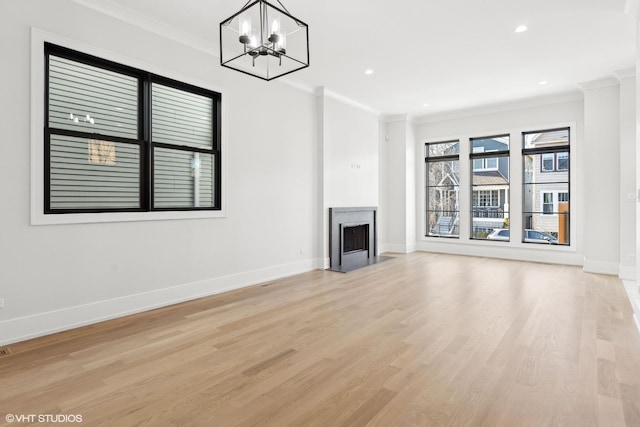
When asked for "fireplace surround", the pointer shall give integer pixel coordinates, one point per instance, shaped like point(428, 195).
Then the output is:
point(353, 238)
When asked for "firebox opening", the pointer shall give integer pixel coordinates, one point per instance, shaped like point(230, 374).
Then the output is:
point(355, 238)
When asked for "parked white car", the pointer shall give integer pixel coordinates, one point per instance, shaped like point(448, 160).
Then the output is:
point(530, 236)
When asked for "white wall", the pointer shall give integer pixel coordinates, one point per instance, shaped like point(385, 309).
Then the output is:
point(400, 185)
point(413, 174)
point(382, 184)
point(350, 165)
point(350, 139)
point(513, 119)
point(627, 195)
point(57, 276)
point(601, 176)
point(633, 289)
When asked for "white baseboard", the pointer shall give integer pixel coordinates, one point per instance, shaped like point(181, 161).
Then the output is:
point(633, 292)
point(626, 272)
point(601, 267)
point(399, 248)
point(37, 325)
point(551, 255)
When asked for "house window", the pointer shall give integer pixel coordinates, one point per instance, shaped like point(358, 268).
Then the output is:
point(546, 189)
point(548, 161)
point(442, 192)
point(486, 198)
point(120, 139)
point(490, 185)
point(547, 204)
point(490, 163)
point(562, 161)
point(554, 162)
point(478, 164)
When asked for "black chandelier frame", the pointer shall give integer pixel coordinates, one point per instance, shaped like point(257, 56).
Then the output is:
point(263, 49)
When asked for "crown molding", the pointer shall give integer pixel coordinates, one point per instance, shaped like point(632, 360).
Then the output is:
point(130, 16)
point(627, 73)
point(323, 91)
point(393, 118)
point(297, 84)
point(598, 84)
point(481, 110)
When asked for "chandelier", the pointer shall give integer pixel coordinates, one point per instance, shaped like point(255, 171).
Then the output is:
point(264, 41)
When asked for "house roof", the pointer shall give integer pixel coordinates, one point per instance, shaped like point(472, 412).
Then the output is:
point(551, 137)
point(452, 178)
point(489, 178)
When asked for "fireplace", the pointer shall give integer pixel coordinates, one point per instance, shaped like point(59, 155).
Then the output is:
point(353, 238)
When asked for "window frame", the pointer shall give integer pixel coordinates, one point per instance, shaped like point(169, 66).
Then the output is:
point(474, 155)
point(554, 150)
point(143, 140)
point(36, 146)
point(429, 159)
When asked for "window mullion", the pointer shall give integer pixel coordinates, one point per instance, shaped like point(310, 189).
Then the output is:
point(146, 166)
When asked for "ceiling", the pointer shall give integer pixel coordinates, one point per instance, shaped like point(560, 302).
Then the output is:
point(449, 54)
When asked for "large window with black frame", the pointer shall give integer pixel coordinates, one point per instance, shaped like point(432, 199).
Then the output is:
point(443, 184)
point(546, 190)
point(489, 159)
point(120, 139)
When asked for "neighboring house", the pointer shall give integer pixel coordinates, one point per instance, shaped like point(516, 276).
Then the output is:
point(446, 198)
point(490, 196)
point(548, 196)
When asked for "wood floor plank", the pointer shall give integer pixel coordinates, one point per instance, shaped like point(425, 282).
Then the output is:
point(421, 340)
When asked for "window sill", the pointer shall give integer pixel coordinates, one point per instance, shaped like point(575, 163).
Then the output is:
point(89, 218)
point(499, 243)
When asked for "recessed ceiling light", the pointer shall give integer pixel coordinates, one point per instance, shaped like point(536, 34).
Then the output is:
point(368, 72)
point(543, 82)
point(425, 105)
point(521, 28)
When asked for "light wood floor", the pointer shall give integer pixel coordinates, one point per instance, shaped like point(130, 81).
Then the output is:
point(422, 340)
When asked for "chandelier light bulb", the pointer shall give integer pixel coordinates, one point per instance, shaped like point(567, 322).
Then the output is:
point(253, 41)
point(274, 36)
point(244, 28)
point(281, 47)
